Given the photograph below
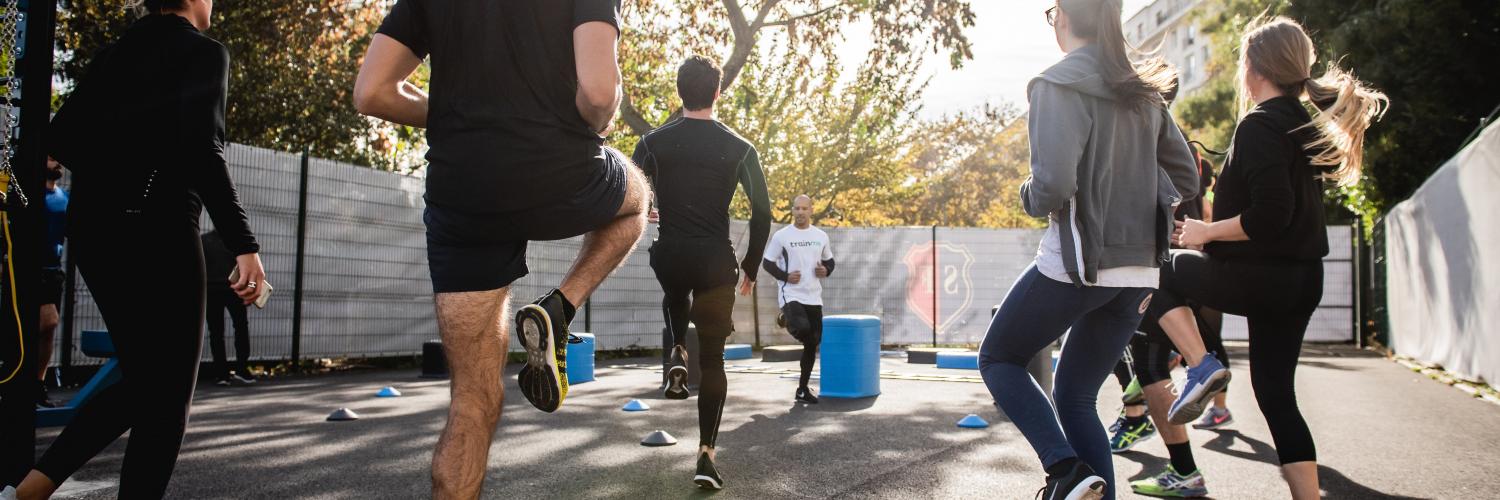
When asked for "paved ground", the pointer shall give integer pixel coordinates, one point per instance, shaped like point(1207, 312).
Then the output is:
point(1383, 432)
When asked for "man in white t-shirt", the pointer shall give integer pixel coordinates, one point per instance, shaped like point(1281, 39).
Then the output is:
point(799, 257)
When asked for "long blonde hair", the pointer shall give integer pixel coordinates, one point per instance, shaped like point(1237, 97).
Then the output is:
point(1279, 50)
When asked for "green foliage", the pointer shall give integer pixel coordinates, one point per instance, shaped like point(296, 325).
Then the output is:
point(967, 170)
point(1426, 55)
point(292, 72)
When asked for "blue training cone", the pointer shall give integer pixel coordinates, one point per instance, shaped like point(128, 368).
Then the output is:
point(388, 392)
point(636, 405)
point(973, 422)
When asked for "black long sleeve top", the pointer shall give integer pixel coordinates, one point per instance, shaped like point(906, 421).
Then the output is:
point(1269, 182)
point(143, 133)
point(694, 165)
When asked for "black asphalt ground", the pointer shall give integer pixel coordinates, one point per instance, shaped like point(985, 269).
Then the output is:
point(1382, 430)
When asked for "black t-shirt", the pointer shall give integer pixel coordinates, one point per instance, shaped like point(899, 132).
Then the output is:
point(502, 125)
point(694, 166)
point(1269, 182)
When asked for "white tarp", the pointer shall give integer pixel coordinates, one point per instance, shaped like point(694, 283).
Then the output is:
point(1443, 265)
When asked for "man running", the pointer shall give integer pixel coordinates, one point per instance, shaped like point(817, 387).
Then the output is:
point(799, 257)
point(694, 164)
point(523, 93)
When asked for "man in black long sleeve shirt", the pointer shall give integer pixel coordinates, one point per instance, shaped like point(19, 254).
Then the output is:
point(694, 164)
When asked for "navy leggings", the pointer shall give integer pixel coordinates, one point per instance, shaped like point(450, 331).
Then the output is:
point(1036, 312)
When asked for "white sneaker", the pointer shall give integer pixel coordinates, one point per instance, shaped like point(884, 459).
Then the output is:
point(9, 493)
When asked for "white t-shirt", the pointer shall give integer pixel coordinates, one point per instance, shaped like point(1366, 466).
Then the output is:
point(795, 249)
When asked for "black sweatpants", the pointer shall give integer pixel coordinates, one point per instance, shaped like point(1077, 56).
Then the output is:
point(805, 323)
point(1278, 299)
point(697, 279)
point(151, 298)
point(220, 300)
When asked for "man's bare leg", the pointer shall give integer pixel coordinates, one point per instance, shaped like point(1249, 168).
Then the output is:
point(604, 249)
point(1158, 399)
point(475, 340)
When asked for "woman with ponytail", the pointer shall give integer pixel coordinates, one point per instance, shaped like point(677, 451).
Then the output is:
point(1107, 168)
point(143, 133)
point(1262, 258)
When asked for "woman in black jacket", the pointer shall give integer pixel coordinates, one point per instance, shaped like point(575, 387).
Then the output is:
point(1262, 256)
point(143, 134)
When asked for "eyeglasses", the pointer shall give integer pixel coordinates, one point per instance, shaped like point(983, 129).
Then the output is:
point(1052, 16)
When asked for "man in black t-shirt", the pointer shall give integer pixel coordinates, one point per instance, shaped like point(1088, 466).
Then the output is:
point(694, 164)
point(522, 94)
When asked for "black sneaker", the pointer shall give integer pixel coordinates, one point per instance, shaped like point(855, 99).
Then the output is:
point(1080, 483)
point(542, 327)
point(222, 382)
point(677, 375)
point(707, 476)
point(42, 399)
point(245, 379)
point(805, 395)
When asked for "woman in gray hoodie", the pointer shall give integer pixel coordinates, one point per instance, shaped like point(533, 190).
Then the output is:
point(1107, 168)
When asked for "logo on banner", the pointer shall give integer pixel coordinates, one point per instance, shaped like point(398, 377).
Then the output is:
point(938, 305)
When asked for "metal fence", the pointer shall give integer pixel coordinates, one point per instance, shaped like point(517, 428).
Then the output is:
point(365, 291)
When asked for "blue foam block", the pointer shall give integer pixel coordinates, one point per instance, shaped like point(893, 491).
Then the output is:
point(973, 422)
point(636, 405)
point(958, 360)
point(581, 359)
point(737, 351)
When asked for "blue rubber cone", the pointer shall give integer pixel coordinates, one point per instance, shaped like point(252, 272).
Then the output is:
point(636, 405)
point(973, 422)
point(659, 438)
point(342, 414)
point(388, 392)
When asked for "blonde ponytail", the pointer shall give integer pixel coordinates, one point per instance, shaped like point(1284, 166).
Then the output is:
point(1346, 108)
point(1279, 50)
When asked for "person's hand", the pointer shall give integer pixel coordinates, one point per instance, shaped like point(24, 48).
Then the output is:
point(746, 286)
point(252, 277)
point(653, 216)
point(794, 278)
point(1192, 233)
point(820, 271)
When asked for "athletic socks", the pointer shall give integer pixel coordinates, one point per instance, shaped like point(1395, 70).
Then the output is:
point(1062, 467)
point(1133, 422)
point(1182, 458)
point(567, 306)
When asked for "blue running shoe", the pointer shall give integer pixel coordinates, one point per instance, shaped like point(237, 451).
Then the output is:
point(1203, 381)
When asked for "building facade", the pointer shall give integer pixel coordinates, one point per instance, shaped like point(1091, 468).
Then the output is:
point(1167, 26)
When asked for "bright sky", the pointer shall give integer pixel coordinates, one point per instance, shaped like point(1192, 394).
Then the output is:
point(1012, 43)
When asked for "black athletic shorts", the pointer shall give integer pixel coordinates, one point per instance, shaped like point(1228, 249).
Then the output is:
point(471, 252)
point(52, 286)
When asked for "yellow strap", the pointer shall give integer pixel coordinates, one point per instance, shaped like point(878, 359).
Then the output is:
point(10, 269)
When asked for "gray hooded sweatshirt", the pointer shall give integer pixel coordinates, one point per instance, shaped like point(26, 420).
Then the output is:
point(1106, 174)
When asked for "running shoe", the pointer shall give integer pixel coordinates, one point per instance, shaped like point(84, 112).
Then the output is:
point(707, 476)
point(1134, 394)
point(543, 330)
point(223, 382)
point(9, 493)
point(1081, 483)
point(1130, 435)
point(1203, 381)
point(245, 379)
point(1214, 418)
point(677, 375)
point(1172, 484)
point(805, 395)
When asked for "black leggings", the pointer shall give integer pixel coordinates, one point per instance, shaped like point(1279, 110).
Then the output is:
point(806, 325)
point(1278, 299)
point(220, 300)
point(151, 298)
point(698, 286)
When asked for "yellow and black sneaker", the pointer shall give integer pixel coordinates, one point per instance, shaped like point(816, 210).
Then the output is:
point(542, 327)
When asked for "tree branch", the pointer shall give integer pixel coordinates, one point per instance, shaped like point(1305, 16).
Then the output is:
point(633, 119)
point(793, 19)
